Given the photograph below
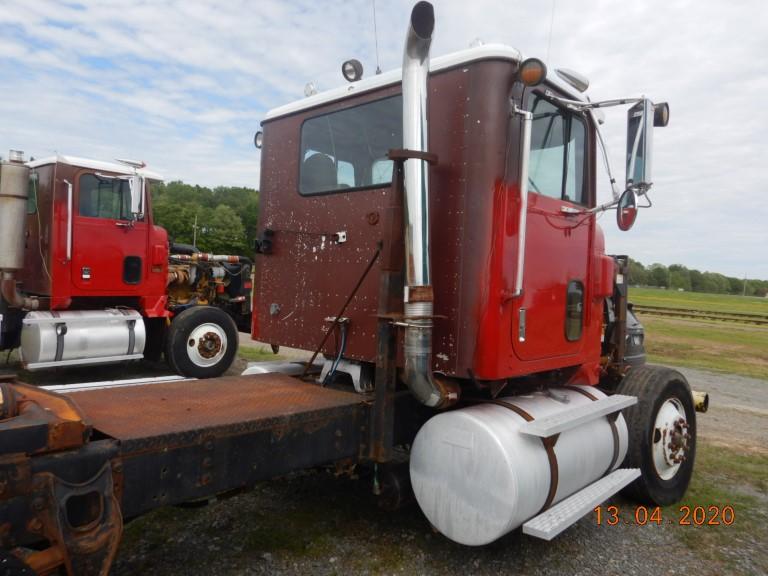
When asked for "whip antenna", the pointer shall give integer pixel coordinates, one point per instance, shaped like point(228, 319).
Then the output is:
point(376, 37)
point(551, 24)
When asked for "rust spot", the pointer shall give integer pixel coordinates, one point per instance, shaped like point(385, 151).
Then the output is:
point(204, 405)
point(34, 525)
point(372, 218)
point(420, 294)
point(209, 345)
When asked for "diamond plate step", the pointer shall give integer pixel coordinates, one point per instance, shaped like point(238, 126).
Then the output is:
point(550, 523)
point(573, 417)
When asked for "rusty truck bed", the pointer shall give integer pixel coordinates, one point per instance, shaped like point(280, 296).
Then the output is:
point(137, 414)
point(189, 439)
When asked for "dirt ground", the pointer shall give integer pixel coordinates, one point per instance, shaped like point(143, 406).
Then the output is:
point(315, 523)
point(738, 410)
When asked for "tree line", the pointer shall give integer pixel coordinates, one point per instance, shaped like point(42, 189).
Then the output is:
point(227, 218)
point(677, 276)
point(221, 220)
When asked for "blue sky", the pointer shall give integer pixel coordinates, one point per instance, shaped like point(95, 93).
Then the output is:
point(183, 85)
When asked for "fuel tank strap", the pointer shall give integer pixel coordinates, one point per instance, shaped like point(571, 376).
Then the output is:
point(516, 409)
point(549, 447)
point(131, 332)
point(61, 331)
point(611, 421)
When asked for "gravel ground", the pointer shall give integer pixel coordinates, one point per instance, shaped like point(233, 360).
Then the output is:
point(738, 409)
point(315, 523)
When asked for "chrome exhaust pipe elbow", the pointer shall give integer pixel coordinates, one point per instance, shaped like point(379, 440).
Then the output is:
point(12, 295)
point(429, 389)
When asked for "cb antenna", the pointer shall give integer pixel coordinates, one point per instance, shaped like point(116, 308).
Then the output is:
point(551, 24)
point(376, 37)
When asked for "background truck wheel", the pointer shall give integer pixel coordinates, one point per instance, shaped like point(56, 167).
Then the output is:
point(662, 434)
point(202, 342)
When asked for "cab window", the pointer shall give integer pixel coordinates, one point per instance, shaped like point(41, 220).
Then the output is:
point(558, 152)
point(104, 197)
point(347, 150)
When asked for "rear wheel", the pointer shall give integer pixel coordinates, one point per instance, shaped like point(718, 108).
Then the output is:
point(662, 433)
point(202, 342)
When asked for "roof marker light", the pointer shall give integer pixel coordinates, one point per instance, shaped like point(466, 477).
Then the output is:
point(532, 72)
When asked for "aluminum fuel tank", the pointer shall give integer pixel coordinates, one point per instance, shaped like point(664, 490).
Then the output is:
point(476, 477)
point(81, 337)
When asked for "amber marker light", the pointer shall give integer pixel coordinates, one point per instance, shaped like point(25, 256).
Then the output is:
point(532, 72)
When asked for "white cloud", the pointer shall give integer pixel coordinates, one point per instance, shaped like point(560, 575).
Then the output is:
point(183, 85)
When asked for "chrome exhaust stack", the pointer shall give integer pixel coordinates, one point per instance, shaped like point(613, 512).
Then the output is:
point(419, 296)
point(14, 189)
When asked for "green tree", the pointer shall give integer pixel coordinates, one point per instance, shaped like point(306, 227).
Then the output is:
point(226, 216)
point(715, 283)
point(658, 275)
point(177, 219)
point(221, 231)
point(679, 277)
point(638, 275)
point(697, 279)
point(735, 285)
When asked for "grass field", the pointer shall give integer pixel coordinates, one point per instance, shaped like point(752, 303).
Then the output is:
point(698, 301)
point(709, 345)
point(727, 478)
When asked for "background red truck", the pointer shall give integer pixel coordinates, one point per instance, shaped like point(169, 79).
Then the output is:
point(92, 279)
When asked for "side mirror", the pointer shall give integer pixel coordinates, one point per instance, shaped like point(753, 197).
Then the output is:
point(640, 120)
point(136, 185)
point(626, 211)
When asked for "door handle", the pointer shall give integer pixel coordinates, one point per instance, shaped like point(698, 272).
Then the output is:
point(124, 224)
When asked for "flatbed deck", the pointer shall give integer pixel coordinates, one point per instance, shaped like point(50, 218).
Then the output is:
point(76, 462)
point(177, 412)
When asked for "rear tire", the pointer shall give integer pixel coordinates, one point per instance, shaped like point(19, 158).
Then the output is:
point(662, 434)
point(202, 342)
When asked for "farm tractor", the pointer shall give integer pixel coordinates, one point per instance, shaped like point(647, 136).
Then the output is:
point(430, 233)
point(88, 279)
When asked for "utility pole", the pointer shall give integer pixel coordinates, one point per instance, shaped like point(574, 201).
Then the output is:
point(194, 232)
point(744, 293)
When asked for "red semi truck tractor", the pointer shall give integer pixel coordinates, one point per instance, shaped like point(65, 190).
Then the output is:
point(432, 232)
point(87, 278)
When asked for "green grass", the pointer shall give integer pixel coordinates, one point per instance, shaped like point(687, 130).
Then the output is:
point(723, 477)
point(717, 346)
point(260, 354)
point(698, 301)
point(710, 345)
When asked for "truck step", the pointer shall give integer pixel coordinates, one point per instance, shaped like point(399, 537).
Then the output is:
point(32, 366)
point(573, 417)
point(550, 523)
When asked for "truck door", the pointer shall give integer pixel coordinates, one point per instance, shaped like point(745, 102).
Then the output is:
point(549, 316)
point(108, 249)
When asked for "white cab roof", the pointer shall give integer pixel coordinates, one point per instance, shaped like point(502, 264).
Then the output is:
point(483, 52)
point(94, 165)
